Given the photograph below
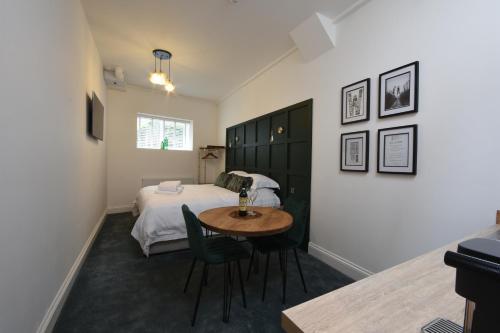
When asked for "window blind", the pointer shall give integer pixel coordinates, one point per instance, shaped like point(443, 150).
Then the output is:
point(156, 132)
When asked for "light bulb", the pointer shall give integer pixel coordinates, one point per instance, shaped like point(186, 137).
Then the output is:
point(169, 86)
point(158, 78)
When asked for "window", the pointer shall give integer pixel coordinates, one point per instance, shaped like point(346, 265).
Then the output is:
point(155, 132)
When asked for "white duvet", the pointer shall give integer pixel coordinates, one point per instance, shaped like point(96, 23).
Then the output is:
point(161, 216)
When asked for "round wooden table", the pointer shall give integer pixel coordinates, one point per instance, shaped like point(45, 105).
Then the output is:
point(267, 221)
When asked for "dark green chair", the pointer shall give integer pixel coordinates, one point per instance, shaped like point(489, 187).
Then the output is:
point(282, 243)
point(213, 251)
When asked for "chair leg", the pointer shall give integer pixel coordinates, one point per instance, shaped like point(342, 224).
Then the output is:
point(300, 270)
point(189, 275)
point(206, 278)
point(199, 294)
point(250, 263)
point(265, 276)
point(280, 260)
point(231, 284)
point(241, 285)
point(226, 304)
point(285, 260)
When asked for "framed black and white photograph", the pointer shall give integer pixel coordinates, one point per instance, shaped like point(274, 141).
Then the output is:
point(397, 150)
point(398, 91)
point(354, 151)
point(356, 102)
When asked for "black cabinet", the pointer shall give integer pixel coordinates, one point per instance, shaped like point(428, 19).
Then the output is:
point(230, 133)
point(262, 162)
point(250, 132)
point(240, 136)
point(279, 127)
point(263, 130)
point(278, 145)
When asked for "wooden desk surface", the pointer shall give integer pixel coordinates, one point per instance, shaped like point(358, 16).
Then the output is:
point(400, 299)
point(270, 221)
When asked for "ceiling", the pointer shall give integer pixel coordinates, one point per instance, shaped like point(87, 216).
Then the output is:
point(216, 45)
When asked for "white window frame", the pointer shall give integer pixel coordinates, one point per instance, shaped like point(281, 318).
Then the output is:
point(188, 136)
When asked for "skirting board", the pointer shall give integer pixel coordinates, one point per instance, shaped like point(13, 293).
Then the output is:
point(50, 318)
point(120, 209)
point(341, 264)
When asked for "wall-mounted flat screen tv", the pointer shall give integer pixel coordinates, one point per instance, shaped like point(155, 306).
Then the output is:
point(97, 118)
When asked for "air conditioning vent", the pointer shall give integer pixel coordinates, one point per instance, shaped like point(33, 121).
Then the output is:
point(115, 78)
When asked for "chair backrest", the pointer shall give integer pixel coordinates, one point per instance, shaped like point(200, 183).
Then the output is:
point(298, 209)
point(195, 234)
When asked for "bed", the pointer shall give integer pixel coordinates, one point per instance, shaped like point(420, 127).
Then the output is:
point(160, 226)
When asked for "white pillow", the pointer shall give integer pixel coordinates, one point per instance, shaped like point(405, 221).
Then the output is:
point(261, 181)
point(266, 198)
point(239, 173)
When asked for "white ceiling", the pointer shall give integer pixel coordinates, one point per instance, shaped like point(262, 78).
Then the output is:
point(216, 45)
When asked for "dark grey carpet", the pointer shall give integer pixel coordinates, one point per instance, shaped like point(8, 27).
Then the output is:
point(119, 290)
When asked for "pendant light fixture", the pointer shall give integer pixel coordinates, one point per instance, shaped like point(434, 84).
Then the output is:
point(158, 77)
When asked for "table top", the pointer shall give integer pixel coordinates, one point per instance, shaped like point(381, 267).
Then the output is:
point(400, 299)
point(268, 221)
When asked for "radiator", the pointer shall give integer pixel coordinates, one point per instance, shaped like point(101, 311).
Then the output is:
point(150, 181)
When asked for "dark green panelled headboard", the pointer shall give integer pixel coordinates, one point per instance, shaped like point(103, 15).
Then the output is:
point(278, 145)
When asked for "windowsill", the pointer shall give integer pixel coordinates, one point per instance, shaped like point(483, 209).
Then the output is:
point(173, 149)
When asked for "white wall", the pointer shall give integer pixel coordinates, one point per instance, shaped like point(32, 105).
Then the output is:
point(53, 176)
point(374, 220)
point(127, 165)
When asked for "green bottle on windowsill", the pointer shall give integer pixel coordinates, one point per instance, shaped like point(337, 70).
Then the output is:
point(164, 144)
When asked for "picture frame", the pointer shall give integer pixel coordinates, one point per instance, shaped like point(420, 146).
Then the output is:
point(355, 151)
point(355, 102)
point(397, 150)
point(398, 91)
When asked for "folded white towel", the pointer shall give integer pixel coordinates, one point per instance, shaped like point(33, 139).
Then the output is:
point(179, 190)
point(171, 185)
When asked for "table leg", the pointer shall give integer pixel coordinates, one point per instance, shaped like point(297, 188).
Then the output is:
point(284, 261)
point(256, 263)
point(226, 292)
